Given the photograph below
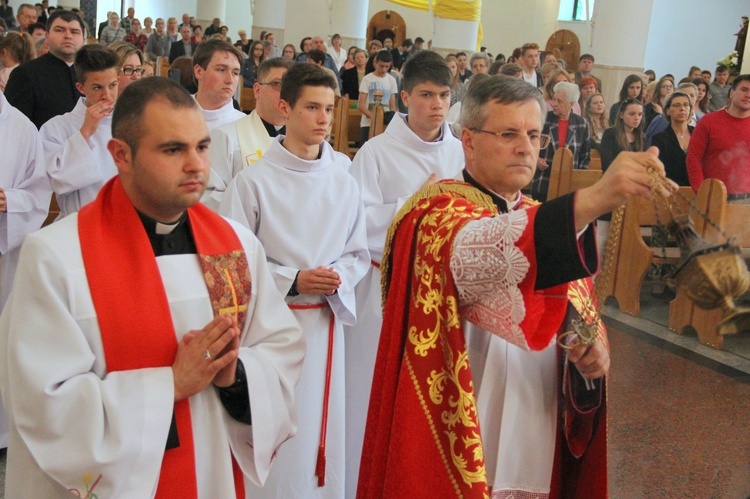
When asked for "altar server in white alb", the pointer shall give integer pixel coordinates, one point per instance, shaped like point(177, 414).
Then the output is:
point(24, 199)
point(415, 149)
point(216, 66)
point(75, 143)
point(237, 145)
point(146, 349)
point(305, 208)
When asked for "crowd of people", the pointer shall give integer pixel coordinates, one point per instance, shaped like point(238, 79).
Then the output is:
point(205, 317)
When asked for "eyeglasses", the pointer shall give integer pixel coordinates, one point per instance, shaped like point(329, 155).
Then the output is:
point(512, 138)
point(276, 85)
point(128, 71)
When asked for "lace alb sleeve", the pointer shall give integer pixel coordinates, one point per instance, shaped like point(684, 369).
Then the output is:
point(488, 267)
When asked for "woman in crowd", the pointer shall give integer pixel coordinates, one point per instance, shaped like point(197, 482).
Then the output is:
point(555, 77)
point(338, 53)
point(704, 96)
point(15, 49)
point(197, 34)
point(595, 113)
point(663, 88)
point(351, 78)
point(289, 52)
point(626, 135)
point(305, 44)
point(566, 129)
point(136, 37)
point(172, 30)
point(148, 26)
point(673, 142)
point(130, 64)
point(244, 42)
point(648, 93)
point(249, 70)
point(452, 63)
point(545, 71)
point(185, 65)
point(349, 64)
point(224, 32)
point(650, 75)
point(588, 88)
point(631, 89)
point(512, 69)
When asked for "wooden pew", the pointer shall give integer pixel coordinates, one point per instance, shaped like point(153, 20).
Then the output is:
point(354, 117)
point(376, 122)
point(341, 125)
point(595, 161)
point(732, 219)
point(247, 99)
point(627, 257)
point(564, 179)
point(54, 211)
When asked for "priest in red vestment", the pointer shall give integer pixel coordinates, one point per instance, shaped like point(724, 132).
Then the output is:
point(472, 396)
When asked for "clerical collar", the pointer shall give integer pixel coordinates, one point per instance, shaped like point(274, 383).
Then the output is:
point(273, 130)
point(169, 239)
point(503, 205)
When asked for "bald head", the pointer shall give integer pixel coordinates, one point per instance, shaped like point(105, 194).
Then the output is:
point(318, 43)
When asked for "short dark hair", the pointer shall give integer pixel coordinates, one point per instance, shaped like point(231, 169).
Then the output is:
point(65, 15)
point(459, 54)
point(317, 56)
point(384, 56)
point(418, 39)
point(206, 50)
point(33, 27)
point(586, 56)
point(127, 117)
point(740, 79)
point(275, 62)
point(721, 68)
point(92, 58)
point(407, 43)
point(425, 66)
point(300, 75)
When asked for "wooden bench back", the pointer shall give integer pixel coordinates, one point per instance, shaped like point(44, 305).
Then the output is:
point(376, 122)
point(564, 179)
point(595, 160)
point(732, 219)
point(247, 99)
point(628, 257)
point(340, 130)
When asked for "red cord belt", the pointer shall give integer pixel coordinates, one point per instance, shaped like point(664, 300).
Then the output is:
point(320, 464)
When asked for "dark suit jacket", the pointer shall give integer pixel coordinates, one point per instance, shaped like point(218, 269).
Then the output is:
point(42, 88)
point(350, 83)
point(672, 155)
point(177, 49)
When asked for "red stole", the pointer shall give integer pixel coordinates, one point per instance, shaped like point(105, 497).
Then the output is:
point(132, 307)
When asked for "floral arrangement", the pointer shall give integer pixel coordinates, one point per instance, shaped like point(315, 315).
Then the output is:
point(731, 61)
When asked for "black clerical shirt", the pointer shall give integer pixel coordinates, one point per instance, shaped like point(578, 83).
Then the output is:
point(177, 239)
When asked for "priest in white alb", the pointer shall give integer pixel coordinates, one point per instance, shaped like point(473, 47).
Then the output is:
point(413, 150)
point(304, 207)
point(75, 143)
point(217, 72)
point(147, 352)
point(24, 199)
point(237, 145)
